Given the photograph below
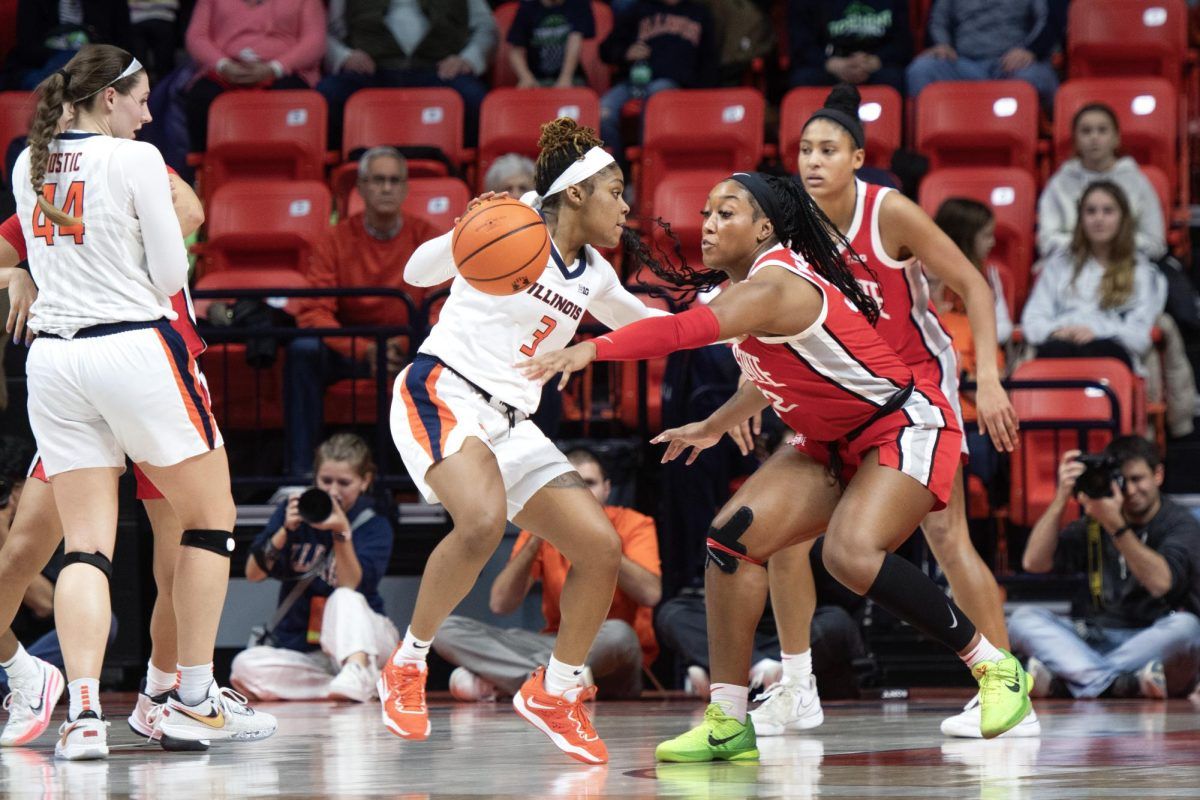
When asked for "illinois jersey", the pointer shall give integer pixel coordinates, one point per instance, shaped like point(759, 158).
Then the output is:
point(482, 337)
point(126, 258)
point(907, 319)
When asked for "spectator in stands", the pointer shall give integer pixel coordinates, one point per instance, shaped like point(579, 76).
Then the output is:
point(971, 225)
point(1134, 630)
point(367, 250)
point(980, 40)
point(493, 661)
point(512, 173)
point(656, 45)
point(849, 41)
point(251, 44)
point(153, 25)
point(547, 39)
point(1097, 139)
point(406, 43)
point(329, 635)
point(1099, 297)
point(50, 33)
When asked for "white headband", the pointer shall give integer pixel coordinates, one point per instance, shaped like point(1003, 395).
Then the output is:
point(134, 67)
point(592, 162)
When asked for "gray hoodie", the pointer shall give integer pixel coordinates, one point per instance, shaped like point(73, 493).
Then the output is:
point(1057, 207)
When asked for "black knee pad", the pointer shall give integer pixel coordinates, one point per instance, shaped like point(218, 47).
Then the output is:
point(97, 560)
point(724, 549)
point(219, 542)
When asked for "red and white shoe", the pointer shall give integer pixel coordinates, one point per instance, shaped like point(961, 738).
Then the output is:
point(401, 690)
point(564, 719)
point(29, 710)
point(82, 739)
point(147, 712)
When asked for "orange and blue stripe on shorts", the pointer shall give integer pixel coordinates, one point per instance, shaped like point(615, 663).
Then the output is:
point(429, 418)
point(187, 378)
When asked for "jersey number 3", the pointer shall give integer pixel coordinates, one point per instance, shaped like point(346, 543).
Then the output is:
point(548, 326)
point(43, 226)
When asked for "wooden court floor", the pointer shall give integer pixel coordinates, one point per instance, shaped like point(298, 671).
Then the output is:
point(1112, 749)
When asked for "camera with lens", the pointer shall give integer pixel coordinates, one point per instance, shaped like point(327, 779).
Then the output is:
point(1100, 473)
point(315, 506)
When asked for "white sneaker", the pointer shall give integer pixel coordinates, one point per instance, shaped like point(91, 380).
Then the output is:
point(146, 713)
point(29, 708)
point(468, 687)
point(223, 715)
point(765, 674)
point(83, 739)
point(965, 724)
point(788, 706)
point(1040, 677)
point(697, 682)
point(354, 683)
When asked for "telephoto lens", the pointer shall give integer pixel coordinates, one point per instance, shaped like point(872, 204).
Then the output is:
point(316, 506)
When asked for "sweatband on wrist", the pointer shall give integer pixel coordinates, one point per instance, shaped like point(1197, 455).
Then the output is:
point(656, 337)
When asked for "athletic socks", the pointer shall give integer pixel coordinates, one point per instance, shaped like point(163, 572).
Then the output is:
point(796, 666)
point(561, 678)
point(194, 683)
point(984, 651)
point(908, 594)
point(732, 699)
point(158, 681)
point(411, 649)
point(22, 668)
point(85, 696)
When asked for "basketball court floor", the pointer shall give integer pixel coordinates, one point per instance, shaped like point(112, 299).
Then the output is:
point(1111, 749)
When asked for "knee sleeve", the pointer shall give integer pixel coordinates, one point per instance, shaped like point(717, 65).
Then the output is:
point(219, 542)
point(97, 560)
point(724, 549)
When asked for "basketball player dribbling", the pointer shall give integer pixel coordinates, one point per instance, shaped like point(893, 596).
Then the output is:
point(898, 242)
point(110, 377)
point(863, 420)
point(460, 418)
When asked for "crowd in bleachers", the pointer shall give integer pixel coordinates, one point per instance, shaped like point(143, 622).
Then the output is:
point(1050, 139)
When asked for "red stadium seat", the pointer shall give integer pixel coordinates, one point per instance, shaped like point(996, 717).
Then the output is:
point(438, 200)
point(1127, 38)
point(978, 124)
point(708, 129)
point(16, 110)
point(8, 25)
point(265, 225)
point(599, 74)
point(679, 198)
point(881, 112)
point(1148, 111)
point(511, 120)
point(352, 402)
point(264, 134)
point(502, 71)
point(1011, 194)
point(1035, 462)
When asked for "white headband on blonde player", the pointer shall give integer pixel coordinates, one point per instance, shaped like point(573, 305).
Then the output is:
point(592, 162)
point(134, 67)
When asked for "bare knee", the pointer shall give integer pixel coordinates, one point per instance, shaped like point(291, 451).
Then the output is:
point(852, 564)
point(479, 534)
point(597, 550)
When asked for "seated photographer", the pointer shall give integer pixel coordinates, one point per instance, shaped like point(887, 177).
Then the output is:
point(493, 660)
point(329, 549)
point(1135, 631)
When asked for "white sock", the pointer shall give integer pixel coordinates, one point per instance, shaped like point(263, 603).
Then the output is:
point(984, 651)
point(85, 696)
point(796, 666)
point(732, 699)
point(411, 649)
point(158, 681)
point(22, 668)
point(561, 678)
point(194, 683)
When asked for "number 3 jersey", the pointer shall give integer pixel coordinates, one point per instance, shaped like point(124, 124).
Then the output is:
point(482, 337)
point(126, 259)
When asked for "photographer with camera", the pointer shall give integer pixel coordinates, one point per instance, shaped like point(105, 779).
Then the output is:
point(329, 549)
point(1136, 631)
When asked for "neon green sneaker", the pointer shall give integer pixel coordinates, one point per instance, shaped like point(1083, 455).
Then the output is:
point(718, 737)
point(1003, 694)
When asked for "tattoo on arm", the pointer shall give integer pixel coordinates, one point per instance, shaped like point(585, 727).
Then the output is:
point(568, 480)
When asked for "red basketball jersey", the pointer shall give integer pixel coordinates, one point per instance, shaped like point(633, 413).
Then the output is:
point(907, 319)
point(828, 380)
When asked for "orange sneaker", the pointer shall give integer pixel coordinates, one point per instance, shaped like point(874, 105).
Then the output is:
point(564, 719)
point(402, 693)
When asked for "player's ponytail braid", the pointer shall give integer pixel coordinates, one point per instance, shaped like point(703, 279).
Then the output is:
point(563, 141)
point(51, 96)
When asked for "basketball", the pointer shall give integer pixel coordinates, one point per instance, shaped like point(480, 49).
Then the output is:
point(501, 246)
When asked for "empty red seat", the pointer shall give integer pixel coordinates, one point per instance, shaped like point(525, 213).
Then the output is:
point(978, 124)
point(256, 134)
point(881, 112)
point(16, 110)
point(1127, 38)
point(699, 129)
point(678, 199)
point(1011, 194)
point(438, 200)
point(510, 120)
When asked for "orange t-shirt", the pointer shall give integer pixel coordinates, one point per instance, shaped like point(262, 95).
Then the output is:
point(639, 543)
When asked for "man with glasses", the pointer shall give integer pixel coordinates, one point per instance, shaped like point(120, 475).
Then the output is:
point(367, 250)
